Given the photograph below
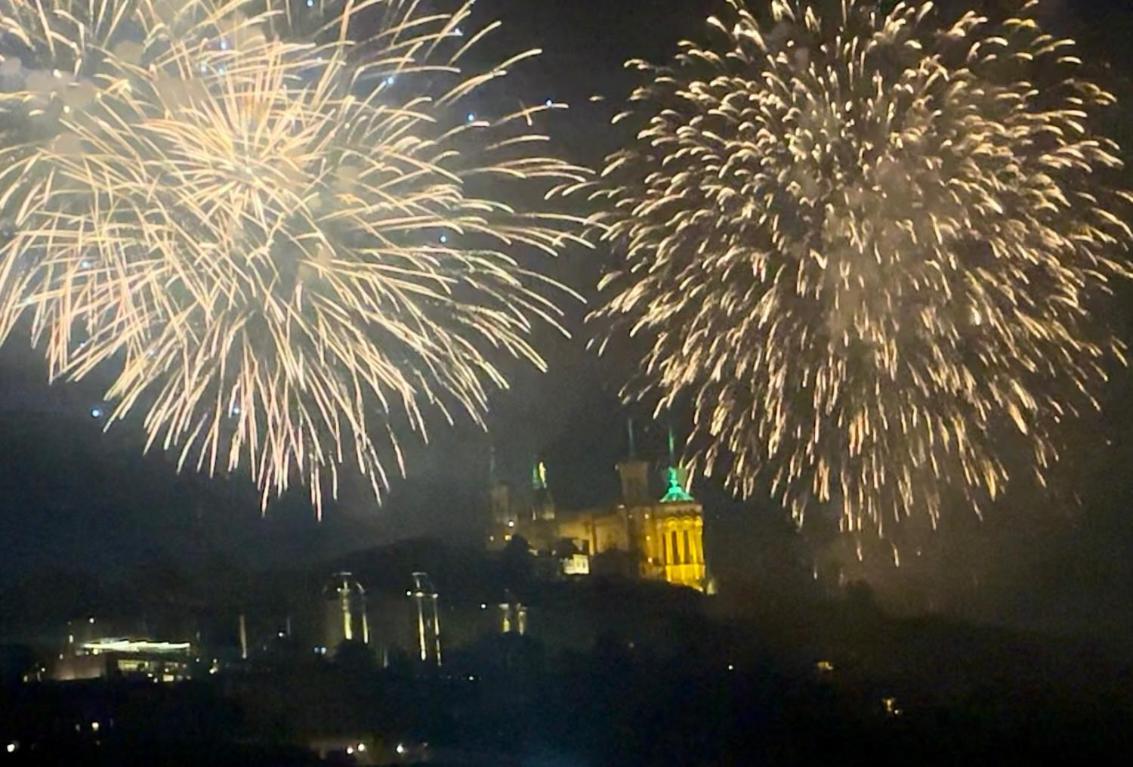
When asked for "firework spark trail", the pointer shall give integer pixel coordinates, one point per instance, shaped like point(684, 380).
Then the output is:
point(280, 246)
point(864, 248)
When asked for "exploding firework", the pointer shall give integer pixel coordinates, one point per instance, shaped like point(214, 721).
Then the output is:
point(288, 238)
point(863, 248)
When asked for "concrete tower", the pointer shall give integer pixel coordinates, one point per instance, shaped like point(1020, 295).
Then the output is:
point(425, 599)
point(344, 612)
point(634, 474)
point(504, 514)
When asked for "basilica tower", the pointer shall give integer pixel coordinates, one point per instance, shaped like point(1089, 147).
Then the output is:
point(634, 473)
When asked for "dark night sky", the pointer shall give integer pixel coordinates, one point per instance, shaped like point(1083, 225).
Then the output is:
point(73, 497)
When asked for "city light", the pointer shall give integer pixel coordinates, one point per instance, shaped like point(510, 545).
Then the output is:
point(98, 646)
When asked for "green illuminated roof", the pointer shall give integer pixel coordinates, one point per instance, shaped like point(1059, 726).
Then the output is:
point(676, 492)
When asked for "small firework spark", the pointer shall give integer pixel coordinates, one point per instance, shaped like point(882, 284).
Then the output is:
point(865, 247)
point(282, 234)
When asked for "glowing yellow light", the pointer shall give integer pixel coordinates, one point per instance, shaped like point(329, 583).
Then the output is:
point(135, 646)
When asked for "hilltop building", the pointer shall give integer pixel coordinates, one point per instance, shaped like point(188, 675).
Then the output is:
point(656, 534)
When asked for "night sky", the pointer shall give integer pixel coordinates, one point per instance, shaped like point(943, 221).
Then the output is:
point(72, 497)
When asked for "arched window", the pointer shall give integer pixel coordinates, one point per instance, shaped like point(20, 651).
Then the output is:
point(676, 549)
point(690, 558)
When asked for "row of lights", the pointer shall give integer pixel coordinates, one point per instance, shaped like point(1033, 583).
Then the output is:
point(14, 745)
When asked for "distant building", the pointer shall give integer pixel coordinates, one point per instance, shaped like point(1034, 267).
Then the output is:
point(513, 616)
point(344, 613)
point(659, 534)
point(425, 599)
point(122, 657)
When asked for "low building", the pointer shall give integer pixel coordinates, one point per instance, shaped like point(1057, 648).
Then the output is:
point(125, 657)
point(659, 535)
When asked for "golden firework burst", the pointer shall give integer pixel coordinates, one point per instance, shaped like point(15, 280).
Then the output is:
point(288, 238)
point(865, 247)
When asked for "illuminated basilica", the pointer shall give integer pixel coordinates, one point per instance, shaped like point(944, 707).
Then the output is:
point(661, 536)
